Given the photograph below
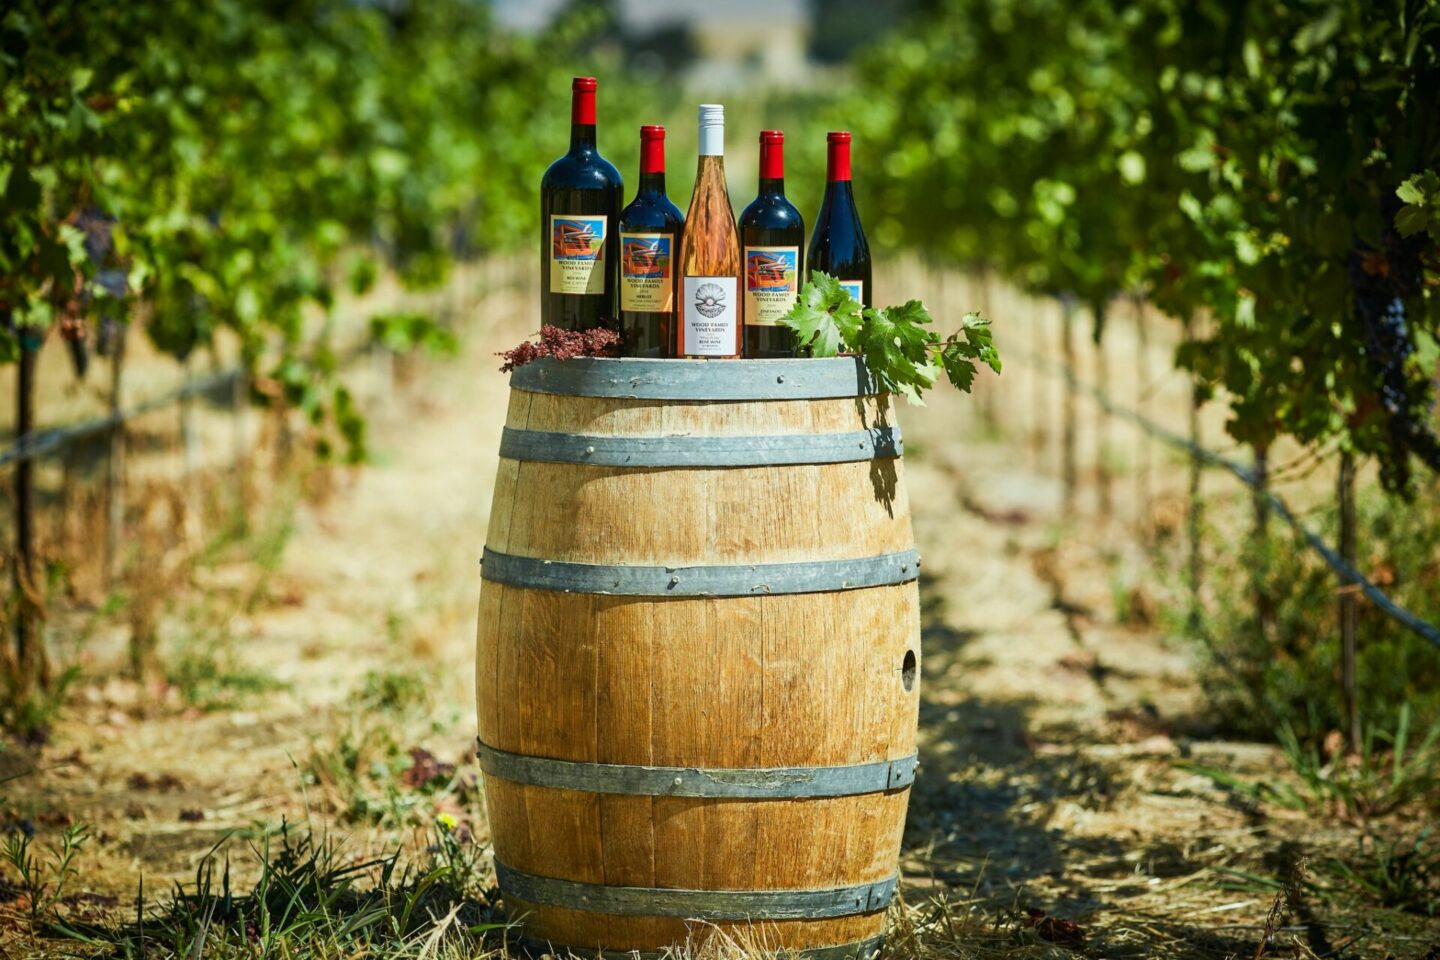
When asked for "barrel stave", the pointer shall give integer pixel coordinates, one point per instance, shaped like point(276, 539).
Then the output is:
point(686, 517)
point(691, 843)
point(612, 416)
point(626, 680)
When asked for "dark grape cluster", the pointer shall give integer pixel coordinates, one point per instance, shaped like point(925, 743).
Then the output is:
point(109, 280)
point(1382, 281)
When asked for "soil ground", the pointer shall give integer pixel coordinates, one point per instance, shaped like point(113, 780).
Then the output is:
point(1054, 738)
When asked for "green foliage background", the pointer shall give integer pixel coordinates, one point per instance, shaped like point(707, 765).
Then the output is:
point(239, 163)
point(1264, 167)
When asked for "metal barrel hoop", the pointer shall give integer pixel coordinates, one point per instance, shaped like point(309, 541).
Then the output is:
point(731, 580)
point(857, 950)
point(540, 446)
point(694, 380)
point(807, 904)
point(764, 783)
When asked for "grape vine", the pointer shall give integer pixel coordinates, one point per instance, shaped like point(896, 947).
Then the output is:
point(199, 166)
point(1269, 167)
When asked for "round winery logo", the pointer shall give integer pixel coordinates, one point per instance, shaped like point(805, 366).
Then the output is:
point(709, 300)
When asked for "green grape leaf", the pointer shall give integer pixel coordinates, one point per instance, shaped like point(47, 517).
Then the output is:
point(1420, 189)
point(900, 346)
point(1410, 220)
point(974, 342)
point(825, 317)
point(959, 369)
point(896, 346)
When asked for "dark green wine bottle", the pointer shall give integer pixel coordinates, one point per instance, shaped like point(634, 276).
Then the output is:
point(838, 245)
point(772, 239)
point(580, 199)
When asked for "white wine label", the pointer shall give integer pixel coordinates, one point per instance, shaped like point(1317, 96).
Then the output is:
point(577, 253)
point(856, 289)
point(711, 317)
point(647, 284)
point(772, 277)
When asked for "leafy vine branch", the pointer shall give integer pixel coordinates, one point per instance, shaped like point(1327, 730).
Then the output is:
point(904, 353)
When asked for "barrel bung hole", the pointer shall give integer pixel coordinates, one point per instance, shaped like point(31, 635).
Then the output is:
point(907, 670)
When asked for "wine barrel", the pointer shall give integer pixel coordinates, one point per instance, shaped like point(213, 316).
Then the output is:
point(697, 665)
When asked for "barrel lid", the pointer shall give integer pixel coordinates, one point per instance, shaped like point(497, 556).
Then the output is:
point(652, 379)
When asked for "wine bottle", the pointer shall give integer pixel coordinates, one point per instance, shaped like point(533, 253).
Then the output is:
point(649, 243)
point(710, 253)
point(580, 198)
point(772, 233)
point(838, 244)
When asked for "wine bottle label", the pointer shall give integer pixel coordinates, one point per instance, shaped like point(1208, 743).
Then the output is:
point(646, 283)
point(856, 289)
point(772, 277)
point(577, 254)
point(710, 316)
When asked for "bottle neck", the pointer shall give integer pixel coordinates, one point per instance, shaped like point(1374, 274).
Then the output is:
point(582, 137)
point(712, 141)
point(652, 165)
point(772, 169)
point(709, 162)
point(582, 120)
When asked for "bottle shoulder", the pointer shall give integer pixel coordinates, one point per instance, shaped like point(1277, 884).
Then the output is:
point(584, 170)
point(653, 210)
point(772, 213)
point(838, 224)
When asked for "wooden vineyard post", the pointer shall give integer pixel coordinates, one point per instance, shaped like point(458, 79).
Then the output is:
point(1347, 608)
point(1068, 468)
point(65, 506)
point(239, 446)
point(1142, 405)
point(1260, 542)
point(115, 463)
point(32, 666)
point(1194, 507)
point(190, 455)
point(1038, 346)
point(985, 386)
point(1102, 425)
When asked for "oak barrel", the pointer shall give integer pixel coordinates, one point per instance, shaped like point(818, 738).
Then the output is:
point(697, 664)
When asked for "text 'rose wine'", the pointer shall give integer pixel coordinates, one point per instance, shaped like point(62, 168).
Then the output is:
point(710, 253)
point(772, 238)
point(838, 245)
point(580, 198)
point(649, 250)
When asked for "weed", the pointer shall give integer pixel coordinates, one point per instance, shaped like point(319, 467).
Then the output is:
point(1400, 874)
point(1387, 775)
point(209, 679)
point(32, 715)
point(309, 901)
point(1269, 645)
point(368, 774)
point(42, 880)
point(394, 691)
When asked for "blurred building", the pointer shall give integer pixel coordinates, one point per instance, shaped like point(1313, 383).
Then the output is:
point(715, 45)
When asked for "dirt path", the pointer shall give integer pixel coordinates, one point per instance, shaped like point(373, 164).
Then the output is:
point(1049, 732)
